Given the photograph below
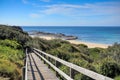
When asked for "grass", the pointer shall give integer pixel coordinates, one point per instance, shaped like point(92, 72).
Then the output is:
point(10, 60)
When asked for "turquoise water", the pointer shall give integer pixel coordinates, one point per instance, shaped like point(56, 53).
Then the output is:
point(104, 35)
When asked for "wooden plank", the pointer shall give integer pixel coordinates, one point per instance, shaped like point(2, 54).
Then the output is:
point(45, 72)
point(31, 69)
point(37, 70)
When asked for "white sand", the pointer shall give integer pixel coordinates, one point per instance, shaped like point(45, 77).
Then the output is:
point(89, 44)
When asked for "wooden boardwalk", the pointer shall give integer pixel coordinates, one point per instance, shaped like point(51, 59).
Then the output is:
point(37, 70)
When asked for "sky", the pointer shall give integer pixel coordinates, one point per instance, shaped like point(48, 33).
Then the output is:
point(60, 12)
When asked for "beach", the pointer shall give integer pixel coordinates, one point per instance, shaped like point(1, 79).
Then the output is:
point(89, 44)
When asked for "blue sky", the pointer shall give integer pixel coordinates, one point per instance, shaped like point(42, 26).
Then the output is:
point(60, 12)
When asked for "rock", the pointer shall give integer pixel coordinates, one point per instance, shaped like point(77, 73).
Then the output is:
point(58, 35)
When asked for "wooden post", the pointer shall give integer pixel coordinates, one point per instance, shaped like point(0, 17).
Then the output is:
point(44, 57)
point(48, 60)
point(41, 55)
point(24, 61)
point(56, 64)
point(23, 73)
point(72, 73)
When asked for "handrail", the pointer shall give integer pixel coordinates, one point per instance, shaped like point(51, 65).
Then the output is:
point(26, 54)
point(54, 67)
point(84, 71)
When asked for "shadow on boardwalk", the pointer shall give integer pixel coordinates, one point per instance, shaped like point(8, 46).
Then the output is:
point(37, 70)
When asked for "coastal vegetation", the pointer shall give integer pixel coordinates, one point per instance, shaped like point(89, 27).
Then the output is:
point(13, 41)
point(12, 44)
point(14, 33)
point(102, 61)
point(11, 59)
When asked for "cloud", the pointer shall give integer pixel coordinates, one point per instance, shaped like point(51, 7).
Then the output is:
point(34, 15)
point(61, 9)
point(45, 0)
point(107, 13)
point(25, 1)
point(107, 8)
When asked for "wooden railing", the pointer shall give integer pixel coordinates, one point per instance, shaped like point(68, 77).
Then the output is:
point(26, 65)
point(46, 58)
point(25, 68)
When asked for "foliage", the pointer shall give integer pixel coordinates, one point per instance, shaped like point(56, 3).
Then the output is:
point(82, 48)
point(82, 77)
point(81, 55)
point(114, 52)
point(117, 78)
point(11, 59)
point(65, 69)
point(14, 33)
point(110, 69)
point(13, 40)
point(95, 53)
point(12, 43)
point(79, 62)
point(9, 69)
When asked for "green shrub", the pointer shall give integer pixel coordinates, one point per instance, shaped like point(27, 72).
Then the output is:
point(114, 52)
point(14, 33)
point(95, 53)
point(65, 69)
point(82, 48)
point(8, 69)
point(82, 77)
point(79, 62)
point(110, 69)
point(11, 59)
point(117, 78)
point(10, 43)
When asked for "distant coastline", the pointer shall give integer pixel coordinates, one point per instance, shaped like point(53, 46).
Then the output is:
point(52, 35)
point(102, 35)
point(71, 39)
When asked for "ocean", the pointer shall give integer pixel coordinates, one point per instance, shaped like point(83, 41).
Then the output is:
point(104, 35)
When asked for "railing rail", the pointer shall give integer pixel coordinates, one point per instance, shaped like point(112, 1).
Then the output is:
point(54, 67)
point(72, 67)
point(26, 64)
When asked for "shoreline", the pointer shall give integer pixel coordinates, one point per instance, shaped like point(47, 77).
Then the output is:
point(89, 44)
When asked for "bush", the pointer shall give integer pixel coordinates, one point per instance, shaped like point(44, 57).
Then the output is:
point(8, 69)
point(10, 43)
point(117, 78)
point(110, 69)
point(114, 52)
point(14, 33)
point(79, 62)
point(82, 48)
point(95, 53)
point(65, 69)
point(10, 59)
point(82, 77)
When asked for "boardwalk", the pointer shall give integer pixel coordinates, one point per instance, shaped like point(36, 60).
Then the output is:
point(37, 70)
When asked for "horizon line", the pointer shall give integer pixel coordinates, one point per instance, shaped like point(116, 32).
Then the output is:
point(63, 25)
